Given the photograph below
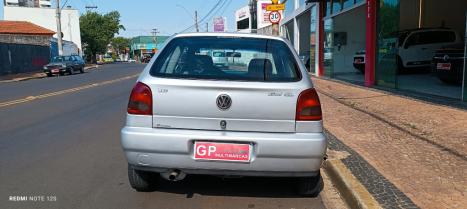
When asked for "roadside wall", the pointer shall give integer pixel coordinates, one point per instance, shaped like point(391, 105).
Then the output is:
point(22, 58)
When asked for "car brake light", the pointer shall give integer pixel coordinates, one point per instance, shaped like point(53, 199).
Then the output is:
point(308, 106)
point(140, 100)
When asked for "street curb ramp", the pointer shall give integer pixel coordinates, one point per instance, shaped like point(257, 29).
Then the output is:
point(352, 191)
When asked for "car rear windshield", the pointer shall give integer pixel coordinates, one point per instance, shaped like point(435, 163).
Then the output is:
point(61, 59)
point(246, 59)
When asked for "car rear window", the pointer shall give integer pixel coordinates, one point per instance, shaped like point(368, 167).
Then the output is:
point(244, 59)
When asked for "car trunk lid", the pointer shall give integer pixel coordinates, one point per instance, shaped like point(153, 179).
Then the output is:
point(254, 106)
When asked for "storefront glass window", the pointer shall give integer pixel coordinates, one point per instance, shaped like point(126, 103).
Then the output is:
point(327, 8)
point(464, 91)
point(359, 1)
point(386, 60)
point(289, 8)
point(328, 47)
point(302, 3)
point(313, 32)
point(347, 3)
point(336, 6)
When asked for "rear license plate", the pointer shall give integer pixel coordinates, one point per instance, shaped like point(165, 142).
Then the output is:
point(358, 61)
point(55, 70)
point(222, 151)
point(443, 66)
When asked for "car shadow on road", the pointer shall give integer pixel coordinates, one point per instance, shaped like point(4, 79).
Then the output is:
point(237, 187)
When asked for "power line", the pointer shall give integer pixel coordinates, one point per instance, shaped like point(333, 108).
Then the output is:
point(225, 9)
point(202, 19)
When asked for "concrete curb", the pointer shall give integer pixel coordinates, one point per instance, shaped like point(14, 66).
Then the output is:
point(38, 75)
point(352, 191)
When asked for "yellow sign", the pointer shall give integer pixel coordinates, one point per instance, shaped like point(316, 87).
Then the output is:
point(275, 7)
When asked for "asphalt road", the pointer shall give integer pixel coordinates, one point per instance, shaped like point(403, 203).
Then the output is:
point(66, 149)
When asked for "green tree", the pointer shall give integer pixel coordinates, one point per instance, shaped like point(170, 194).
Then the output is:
point(120, 44)
point(97, 31)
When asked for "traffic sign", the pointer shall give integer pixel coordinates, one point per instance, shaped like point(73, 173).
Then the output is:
point(275, 17)
point(275, 7)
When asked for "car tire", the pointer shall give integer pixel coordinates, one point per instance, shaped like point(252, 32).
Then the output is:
point(142, 181)
point(400, 65)
point(310, 186)
point(450, 81)
point(81, 70)
point(48, 74)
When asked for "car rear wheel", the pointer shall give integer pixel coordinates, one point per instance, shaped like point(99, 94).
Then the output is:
point(49, 74)
point(142, 181)
point(310, 186)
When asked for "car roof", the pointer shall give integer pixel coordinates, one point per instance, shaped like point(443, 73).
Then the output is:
point(234, 35)
point(425, 29)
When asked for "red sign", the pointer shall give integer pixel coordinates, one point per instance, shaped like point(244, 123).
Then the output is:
point(443, 66)
point(222, 151)
point(358, 61)
point(275, 17)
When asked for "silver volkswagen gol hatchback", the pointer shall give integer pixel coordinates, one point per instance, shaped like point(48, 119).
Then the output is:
point(257, 115)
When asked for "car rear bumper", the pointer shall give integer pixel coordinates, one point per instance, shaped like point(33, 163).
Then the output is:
point(60, 70)
point(274, 154)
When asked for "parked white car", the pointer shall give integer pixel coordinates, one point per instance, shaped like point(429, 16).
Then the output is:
point(417, 47)
point(219, 58)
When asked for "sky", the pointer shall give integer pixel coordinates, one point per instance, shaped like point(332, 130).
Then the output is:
point(139, 17)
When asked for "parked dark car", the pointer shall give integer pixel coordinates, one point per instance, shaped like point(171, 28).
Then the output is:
point(64, 65)
point(448, 63)
point(359, 61)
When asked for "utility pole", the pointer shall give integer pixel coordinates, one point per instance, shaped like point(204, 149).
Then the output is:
point(275, 26)
point(154, 33)
point(196, 21)
point(207, 27)
point(59, 29)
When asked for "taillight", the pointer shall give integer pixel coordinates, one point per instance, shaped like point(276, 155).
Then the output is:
point(140, 100)
point(308, 106)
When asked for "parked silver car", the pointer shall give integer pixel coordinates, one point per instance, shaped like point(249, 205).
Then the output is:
point(259, 116)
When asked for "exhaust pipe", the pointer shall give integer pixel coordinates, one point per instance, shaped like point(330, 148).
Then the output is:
point(173, 175)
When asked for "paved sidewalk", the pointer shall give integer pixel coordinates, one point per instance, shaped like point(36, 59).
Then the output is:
point(419, 148)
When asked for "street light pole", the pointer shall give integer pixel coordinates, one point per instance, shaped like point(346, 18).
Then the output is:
point(196, 20)
point(59, 29)
point(154, 34)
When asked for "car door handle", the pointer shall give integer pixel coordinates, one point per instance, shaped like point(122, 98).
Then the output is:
point(424, 48)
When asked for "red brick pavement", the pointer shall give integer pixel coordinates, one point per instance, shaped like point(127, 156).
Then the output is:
point(419, 147)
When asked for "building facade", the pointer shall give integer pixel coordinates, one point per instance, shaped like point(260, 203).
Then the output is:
point(24, 47)
point(45, 17)
point(332, 35)
point(142, 46)
point(28, 3)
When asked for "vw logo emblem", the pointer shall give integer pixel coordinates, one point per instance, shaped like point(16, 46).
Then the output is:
point(224, 101)
point(223, 124)
point(446, 57)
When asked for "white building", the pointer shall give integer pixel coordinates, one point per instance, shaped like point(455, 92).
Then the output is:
point(45, 17)
point(259, 23)
point(242, 20)
point(28, 3)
